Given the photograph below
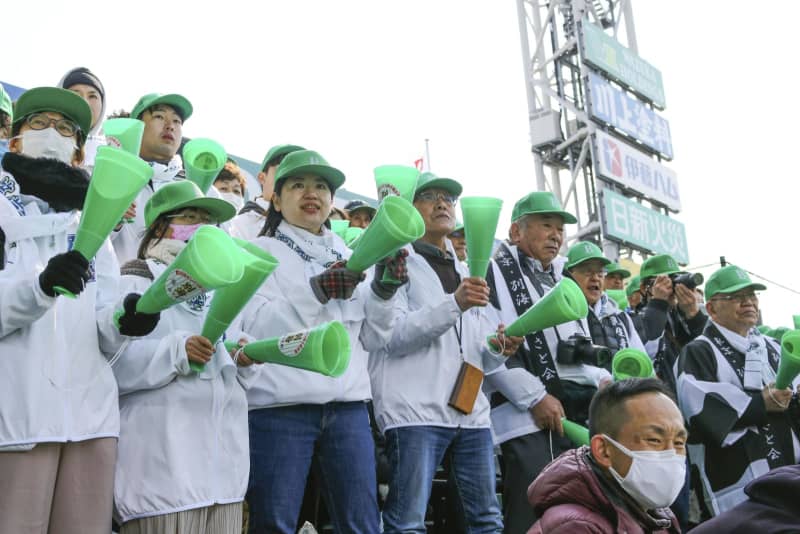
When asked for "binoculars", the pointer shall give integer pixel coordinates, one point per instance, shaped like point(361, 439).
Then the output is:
point(579, 349)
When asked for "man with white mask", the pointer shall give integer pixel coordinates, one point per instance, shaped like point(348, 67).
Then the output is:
point(630, 473)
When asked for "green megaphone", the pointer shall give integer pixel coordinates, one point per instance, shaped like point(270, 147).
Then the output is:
point(396, 180)
point(564, 303)
point(324, 349)
point(796, 321)
point(116, 180)
point(125, 134)
point(619, 296)
point(202, 161)
point(631, 363)
point(229, 300)
point(396, 224)
point(480, 215)
point(339, 227)
point(577, 434)
point(351, 235)
point(789, 367)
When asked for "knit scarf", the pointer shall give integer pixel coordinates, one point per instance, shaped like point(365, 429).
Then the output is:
point(318, 249)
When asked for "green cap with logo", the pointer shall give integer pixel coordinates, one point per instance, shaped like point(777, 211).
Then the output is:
point(278, 151)
point(302, 162)
point(659, 264)
point(542, 203)
point(730, 279)
point(614, 268)
point(61, 101)
point(177, 102)
point(584, 251)
point(5, 103)
point(633, 285)
point(185, 194)
point(427, 180)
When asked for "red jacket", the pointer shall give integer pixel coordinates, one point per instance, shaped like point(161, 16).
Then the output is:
point(572, 496)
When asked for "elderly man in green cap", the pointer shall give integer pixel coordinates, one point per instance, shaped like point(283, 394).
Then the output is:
point(615, 276)
point(740, 424)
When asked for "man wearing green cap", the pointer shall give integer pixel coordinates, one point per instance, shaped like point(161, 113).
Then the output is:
point(249, 222)
point(634, 295)
point(740, 424)
point(615, 276)
point(459, 241)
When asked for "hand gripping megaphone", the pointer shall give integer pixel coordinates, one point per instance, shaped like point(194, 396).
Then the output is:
point(125, 134)
point(631, 363)
point(577, 434)
point(229, 300)
point(324, 349)
point(789, 367)
point(396, 180)
point(480, 216)
point(116, 180)
point(202, 161)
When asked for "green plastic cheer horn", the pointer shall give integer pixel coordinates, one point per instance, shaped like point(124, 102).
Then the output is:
point(396, 224)
point(351, 235)
point(229, 300)
point(619, 296)
point(116, 180)
point(564, 303)
point(789, 367)
point(324, 349)
point(480, 216)
point(339, 227)
point(396, 180)
point(796, 321)
point(125, 134)
point(577, 434)
point(202, 161)
point(631, 363)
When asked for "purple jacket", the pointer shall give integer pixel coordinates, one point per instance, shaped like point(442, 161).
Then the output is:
point(573, 496)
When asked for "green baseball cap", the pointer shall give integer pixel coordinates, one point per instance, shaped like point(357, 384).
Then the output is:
point(62, 101)
point(309, 162)
point(659, 264)
point(584, 251)
point(541, 202)
point(5, 103)
point(633, 285)
point(278, 151)
point(459, 226)
point(614, 268)
point(185, 194)
point(729, 279)
point(428, 180)
point(178, 102)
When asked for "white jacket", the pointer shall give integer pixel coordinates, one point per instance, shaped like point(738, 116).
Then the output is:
point(248, 225)
point(286, 303)
point(414, 374)
point(57, 386)
point(184, 438)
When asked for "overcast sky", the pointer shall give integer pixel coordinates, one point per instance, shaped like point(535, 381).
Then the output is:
point(365, 82)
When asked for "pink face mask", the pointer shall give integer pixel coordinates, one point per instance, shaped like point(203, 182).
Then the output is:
point(184, 232)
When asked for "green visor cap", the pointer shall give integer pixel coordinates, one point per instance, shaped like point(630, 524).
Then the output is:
point(178, 102)
point(61, 101)
point(5, 103)
point(730, 279)
point(633, 285)
point(540, 202)
point(584, 251)
point(614, 268)
point(302, 162)
point(185, 194)
point(428, 180)
point(278, 151)
point(659, 264)
point(459, 226)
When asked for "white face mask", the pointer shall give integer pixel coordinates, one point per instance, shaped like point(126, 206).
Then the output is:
point(232, 198)
point(48, 143)
point(655, 478)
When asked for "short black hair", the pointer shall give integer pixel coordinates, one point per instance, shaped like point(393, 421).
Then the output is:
point(607, 410)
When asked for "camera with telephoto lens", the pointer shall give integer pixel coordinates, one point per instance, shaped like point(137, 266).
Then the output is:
point(579, 349)
point(690, 280)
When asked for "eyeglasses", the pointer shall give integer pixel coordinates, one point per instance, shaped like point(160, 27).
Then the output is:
point(430, 196)
point(193, 218)
point(587, 271)
point(40, 121)
point(739, 299)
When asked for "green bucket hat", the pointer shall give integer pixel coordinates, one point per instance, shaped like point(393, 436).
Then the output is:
point(309, 162)
point(659, 264)
point(541, 202)
point(584, 251)
point(278, 151)
point(428, 180)
point(185, 194)
point(5, 103)
point(62, 101)
point(180, 103)
point(633, 285)
point(614, 268)
point(729, 279)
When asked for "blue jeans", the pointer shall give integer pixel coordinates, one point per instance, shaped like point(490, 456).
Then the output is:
point(283, 441)
point(415, 452)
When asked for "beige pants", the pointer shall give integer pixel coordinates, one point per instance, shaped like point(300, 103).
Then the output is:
point(216, 519)
point(58, 488)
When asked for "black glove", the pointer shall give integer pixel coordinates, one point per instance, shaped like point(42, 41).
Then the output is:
point(395, 267)
point(133, 323)
point(337, 282)
point(69, 270)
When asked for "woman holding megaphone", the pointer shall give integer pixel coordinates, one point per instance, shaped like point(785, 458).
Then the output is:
point(183, 455)
point(293, 412)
